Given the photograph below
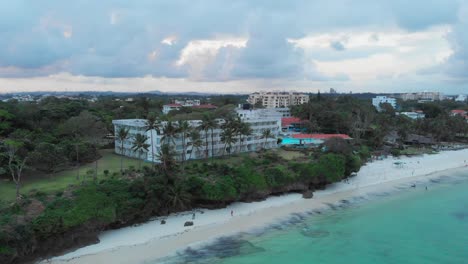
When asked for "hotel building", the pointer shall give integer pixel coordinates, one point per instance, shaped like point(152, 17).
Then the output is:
point(259, 121)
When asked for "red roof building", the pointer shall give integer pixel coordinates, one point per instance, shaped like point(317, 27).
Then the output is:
point(458, 112)
point(320, 136)
point(289, 121)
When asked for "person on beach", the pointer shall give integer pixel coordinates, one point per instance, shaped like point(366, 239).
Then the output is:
point(193, 216)
point(232, 213)
point(426, 188)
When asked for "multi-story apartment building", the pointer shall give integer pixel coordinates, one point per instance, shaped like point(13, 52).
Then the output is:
point(278, 99)
point(259, 121)
point(423, 96)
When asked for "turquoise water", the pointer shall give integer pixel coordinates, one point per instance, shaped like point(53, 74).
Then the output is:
point(292, 141)
point(409, 226)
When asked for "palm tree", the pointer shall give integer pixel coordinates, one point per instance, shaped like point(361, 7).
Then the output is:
point(178, 197)
point(245, 130)
point(266, 134)
point(196, 140)
point(140, 146)
point(167, 157)
point(208, 123)
point(184, 129)
point(228, 138)
point(122, 135)
point(152, 124)
point(170, 133)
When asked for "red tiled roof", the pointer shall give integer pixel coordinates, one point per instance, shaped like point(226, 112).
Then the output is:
point(459, 112)
point(321, 136)
point(173, 105)
point(287, 121)
point(205, 106)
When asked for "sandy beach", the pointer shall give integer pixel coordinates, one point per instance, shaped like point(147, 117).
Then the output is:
point(153, 240)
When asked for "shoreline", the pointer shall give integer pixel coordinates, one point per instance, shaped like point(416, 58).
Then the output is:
point(151, 240)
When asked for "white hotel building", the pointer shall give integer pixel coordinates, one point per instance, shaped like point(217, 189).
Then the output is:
point(278, 99)
point(259, 121)
point(381, 100)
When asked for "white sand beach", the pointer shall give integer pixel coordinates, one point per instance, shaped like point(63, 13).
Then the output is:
point(152, 240)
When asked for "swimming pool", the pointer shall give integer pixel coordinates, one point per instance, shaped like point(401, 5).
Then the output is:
point(295, 141)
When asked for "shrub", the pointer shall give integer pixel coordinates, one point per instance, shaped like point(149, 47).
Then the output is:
point(277, 176)
point(223, 189)
point(331, 167)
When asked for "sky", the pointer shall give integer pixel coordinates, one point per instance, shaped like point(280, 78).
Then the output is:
point(239, 46)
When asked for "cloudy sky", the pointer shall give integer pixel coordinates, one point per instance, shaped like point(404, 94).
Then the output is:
point(234, 46)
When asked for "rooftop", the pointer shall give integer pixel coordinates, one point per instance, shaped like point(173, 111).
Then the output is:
point(287, 121)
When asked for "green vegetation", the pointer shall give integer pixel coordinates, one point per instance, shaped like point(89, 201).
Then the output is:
point(70, 186)
point(359, 119)
point(61, 180)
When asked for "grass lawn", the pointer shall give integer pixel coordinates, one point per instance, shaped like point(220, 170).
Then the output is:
point(61, 180)
point(416, 151)
point(290, 155)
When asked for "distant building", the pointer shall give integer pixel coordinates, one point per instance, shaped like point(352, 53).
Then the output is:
point(458, 112)
point(332, 91)
point(377, 101)
point(259, 121)
point(278, 99)
point(413, 115)
point(423, 96)
point(186, 103)
point(284, 111)
point(292, 124)
point(169, 107)
point(461, 98)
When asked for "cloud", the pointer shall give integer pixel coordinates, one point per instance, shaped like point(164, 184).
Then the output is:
point(336, 45)
point(296, 40)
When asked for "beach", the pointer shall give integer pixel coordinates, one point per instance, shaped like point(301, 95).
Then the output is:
point(153, 240)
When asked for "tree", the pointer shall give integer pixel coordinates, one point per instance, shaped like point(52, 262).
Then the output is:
point(337, 145)
point(266, 134)
point(16, 162)
point(208, 123)
point(48, 157)
point(88, 127)
point(5, 121)
point(122, 135)
point(140, 146)
point(178, 196)
point(167, 157)
point(152, 124)
point(184, 129)
point(228, 138)
point(196, 141)
point(169, 133)
point(244, 131)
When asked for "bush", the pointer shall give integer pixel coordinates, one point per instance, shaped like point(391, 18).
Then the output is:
point(353, 164)
point(277, 176)
point(331, 167)
point(248, 180)
point(395, 152)
point(223, 189)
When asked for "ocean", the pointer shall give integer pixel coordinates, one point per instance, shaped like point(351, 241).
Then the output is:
point(403, 225)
